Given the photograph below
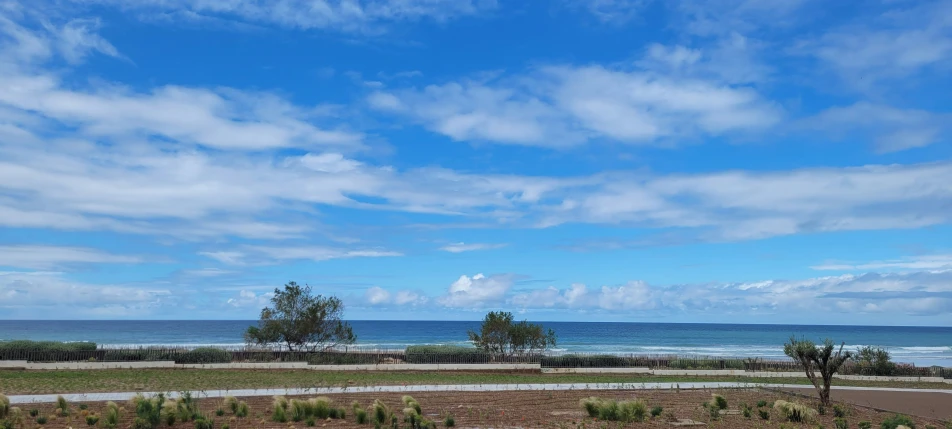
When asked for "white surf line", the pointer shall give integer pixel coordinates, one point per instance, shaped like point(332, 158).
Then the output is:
point(123, 396)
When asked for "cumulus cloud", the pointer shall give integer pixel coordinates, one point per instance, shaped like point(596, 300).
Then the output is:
point(477, 291)
point(377, 296)
point(247, 298)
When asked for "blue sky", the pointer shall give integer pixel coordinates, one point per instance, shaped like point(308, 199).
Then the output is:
point(747, 161)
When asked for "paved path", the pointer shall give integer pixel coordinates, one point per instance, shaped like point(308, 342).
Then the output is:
point(122, 396)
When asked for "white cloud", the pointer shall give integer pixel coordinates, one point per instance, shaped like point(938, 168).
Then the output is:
point(31, 295)
point(46, 257)
point(916, 294)
point(377, 296)
point(928, 262)
point(247, 298)
point(617, 11)
point(900, 42)
point(344, 15)
point(892, 129)
point(463, 247)
point(477, 291)
point(561, 106)
point(78, 37)
point(256, 255)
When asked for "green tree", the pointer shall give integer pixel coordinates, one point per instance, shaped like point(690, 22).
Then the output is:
point(301, 322)
point(813, 358)
point(498, 335)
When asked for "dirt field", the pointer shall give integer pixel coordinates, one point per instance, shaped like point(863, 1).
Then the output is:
point(924, 404)
point(510, 410)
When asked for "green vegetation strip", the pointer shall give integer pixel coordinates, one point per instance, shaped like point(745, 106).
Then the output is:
point(161, 380)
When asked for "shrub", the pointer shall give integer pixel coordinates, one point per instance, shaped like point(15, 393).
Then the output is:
point(361, 416)
point(279, 415)
point(897, 420)
point(874, 361)
point(219, 412)
point(46, 351)
point(34, 412)
point(41, 420)
point(140, 423)
point(299, 410)
point(4, 406)
point(231, 403)
point(225, 426)
point(341, 413)
point(203, 355)
point(242, 410)
point(746, 410)
point(83, 407)
point(92, 419)
point(62, 405)
point(611, 410)
point(111, 415)
point(764, 414)
point(412, 403)
point(795, 412)
point(203, 423)
point(839, 411)
point(321, 407)
point(381, 413)
point(761, 404)
point(719, 401)
point(169, 410)
point(840, 423)
point(310, 421)
point(656, 411)
point(864, 425)
point(332, 413)
point(449, 421)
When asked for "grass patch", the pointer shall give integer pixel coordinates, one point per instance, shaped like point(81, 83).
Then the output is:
point(795, 412)
point(897, 420)
point(618, 411)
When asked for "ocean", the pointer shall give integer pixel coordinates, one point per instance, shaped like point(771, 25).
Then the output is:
point(923, 346)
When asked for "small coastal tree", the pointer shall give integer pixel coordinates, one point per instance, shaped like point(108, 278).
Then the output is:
point(875, 360)
point(498, 335)
point(813, 358)
point(301, 321)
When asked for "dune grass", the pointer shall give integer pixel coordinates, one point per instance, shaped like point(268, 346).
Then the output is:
point(162, 380)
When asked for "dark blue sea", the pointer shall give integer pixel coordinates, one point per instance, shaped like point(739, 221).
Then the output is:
point(922, 346)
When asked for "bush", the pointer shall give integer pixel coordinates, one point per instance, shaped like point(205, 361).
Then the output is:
point(225, 426)
point(242, 410)
point(34, 412)
point(92, 419)
point(62, 405)
point(591, 361)
point(310, 421)
point(449, 421)
point(746, 410)
point(839, 411)
point(381, 413)
point(140, 423)
point(4, 406)
point(46, 351)
point(611, 410)
point(231, 403)
point(279, 415)
point(761, 404)
point(864, 425)
point(41, 420)
point(412, 403)
point(445, 354)
point(361, 416)
point(656, 411)
point(341, 413)
point(219, 412)
point(111, 414)
point(840, 423)
point(764, 414)
point(874, 361)
point(203, 355)
point(321, 407)
point(896, 421)
point(719, 401)
point(169, 411)
point(795, 412)
point(299, 410)
point(706, 364)
point(203, 423)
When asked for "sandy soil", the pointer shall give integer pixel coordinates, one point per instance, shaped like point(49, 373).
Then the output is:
point(521, 409)
point(934, 405)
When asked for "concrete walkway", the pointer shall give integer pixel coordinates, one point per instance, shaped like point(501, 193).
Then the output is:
point(123, 396)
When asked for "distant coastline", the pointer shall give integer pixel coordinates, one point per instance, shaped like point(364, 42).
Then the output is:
point(923, 346)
